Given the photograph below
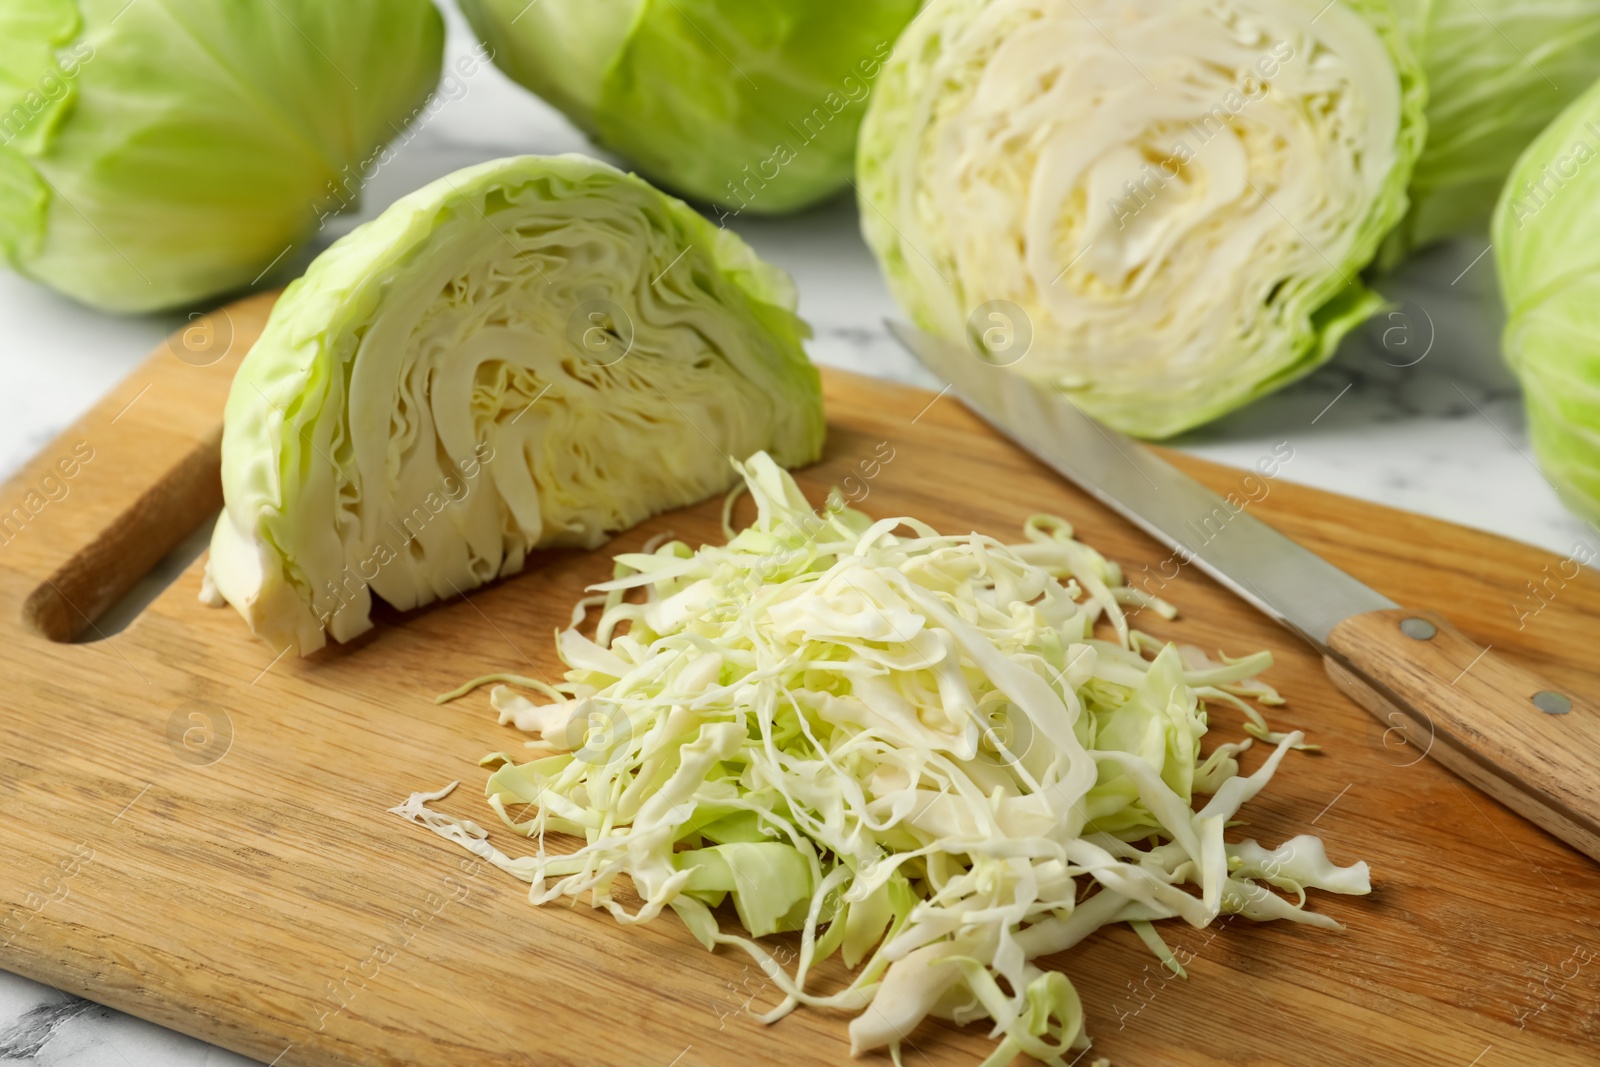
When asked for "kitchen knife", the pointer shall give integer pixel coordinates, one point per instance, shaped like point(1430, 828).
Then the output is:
point(1518, 737)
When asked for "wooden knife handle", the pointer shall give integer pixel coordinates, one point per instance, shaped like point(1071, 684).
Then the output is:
point(1530, 744)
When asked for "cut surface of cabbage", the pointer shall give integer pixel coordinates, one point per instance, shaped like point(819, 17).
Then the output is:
point(528, 353)
point(1175, 197)
point(942, 757)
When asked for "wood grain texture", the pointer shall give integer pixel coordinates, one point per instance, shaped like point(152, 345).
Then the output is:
point(1475, 713)
point(234, 876)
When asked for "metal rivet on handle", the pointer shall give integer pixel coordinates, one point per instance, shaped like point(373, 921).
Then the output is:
point(1552, 703)
point(1418, 629)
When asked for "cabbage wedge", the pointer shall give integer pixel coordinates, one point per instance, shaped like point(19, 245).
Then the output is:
point(1173, 198)
point(531, 352)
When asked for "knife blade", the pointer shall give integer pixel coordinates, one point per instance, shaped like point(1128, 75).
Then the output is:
point(1296, 587)
point(1518, 737)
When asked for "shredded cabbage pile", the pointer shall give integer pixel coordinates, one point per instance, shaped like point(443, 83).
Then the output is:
point(942, 757)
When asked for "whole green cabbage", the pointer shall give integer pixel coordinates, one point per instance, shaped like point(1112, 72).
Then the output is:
point(751, 106)
point(1173, 198)
point(531, 352)
point(1497, 72)
point(156, 153)
point(1546, 237)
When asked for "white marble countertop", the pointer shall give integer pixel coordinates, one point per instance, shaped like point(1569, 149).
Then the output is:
point(1417, 411)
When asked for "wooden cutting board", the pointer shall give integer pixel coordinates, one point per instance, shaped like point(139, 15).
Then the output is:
point(195, 832)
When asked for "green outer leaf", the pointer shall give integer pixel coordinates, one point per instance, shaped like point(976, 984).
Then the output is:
point(1547, 250)
point(24, 200)
point(752, 107)
point(749, 106)
point(1330, 304)
point(769, 881)
point(1497, 71)
point(560, 49)
point(206, 138)
point(37, 89)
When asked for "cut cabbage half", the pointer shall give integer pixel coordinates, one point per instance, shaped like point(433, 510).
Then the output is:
point(1175, 196)
point(531, 352)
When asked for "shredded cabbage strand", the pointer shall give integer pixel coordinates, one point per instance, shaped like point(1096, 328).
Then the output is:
point(911, 748)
